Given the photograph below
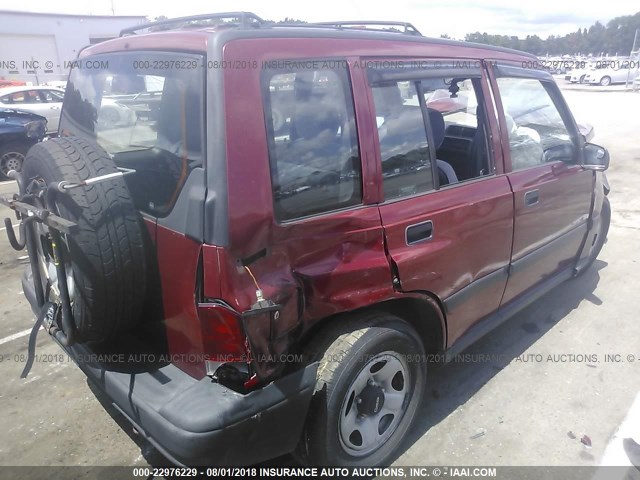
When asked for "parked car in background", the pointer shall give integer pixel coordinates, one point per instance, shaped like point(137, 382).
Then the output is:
point(45, 101)
point(18, 132)
point(610, 76)
point(584, 67)
point(577, 75)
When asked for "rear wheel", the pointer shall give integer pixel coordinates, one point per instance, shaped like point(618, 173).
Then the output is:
point(105, 261)
point(605, 81)
point(370, 382)
point(12, 157)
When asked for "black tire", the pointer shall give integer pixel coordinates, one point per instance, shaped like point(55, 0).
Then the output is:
point(12, 157)
point(605, 81)
point(602, 235)
point(107, 254)
point(345, 350)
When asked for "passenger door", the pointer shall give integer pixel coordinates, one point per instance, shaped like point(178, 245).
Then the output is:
point(552, 193)
point(445, 234)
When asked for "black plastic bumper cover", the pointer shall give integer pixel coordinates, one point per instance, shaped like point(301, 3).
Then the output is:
point(199, 422)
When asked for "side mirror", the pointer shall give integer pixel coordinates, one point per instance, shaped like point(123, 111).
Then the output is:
point(595, 157)
point(565, 152)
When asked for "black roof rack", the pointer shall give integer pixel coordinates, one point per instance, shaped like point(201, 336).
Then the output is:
point(248, 19)
point(245, 19)
point(407, 28)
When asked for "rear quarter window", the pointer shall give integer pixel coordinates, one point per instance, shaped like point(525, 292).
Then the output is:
point(313, 147)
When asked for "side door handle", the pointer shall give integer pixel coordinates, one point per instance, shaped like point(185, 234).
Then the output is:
point(531, 198)
point(419, 232)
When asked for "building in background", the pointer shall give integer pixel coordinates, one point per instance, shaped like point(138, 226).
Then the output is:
point(38, 48)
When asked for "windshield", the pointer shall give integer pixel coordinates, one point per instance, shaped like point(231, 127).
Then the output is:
point(146, 110)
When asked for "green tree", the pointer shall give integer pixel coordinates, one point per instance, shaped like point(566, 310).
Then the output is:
point(616, 37)
point(290, 20)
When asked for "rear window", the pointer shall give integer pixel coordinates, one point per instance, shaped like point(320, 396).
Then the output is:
point(147, 111)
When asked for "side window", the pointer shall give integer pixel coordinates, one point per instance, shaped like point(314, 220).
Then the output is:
point(458, 120)
point(454, 98)
point(404, 150)
point(537, 133)
point(458, 125)
point(28, 96)
point(51, 96)
point(313, 145)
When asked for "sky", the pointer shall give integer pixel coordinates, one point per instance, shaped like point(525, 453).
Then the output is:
point(431, 17)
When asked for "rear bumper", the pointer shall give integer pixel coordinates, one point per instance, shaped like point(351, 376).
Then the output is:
point(199, 422)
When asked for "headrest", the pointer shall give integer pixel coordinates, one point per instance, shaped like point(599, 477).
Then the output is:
point(437, 126)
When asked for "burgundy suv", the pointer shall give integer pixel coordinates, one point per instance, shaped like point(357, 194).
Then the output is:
point(250, 236)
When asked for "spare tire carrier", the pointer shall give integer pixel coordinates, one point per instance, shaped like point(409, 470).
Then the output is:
point(28, 211)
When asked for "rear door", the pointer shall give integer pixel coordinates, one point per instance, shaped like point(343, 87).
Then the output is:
point(552, 193)
point(447, 212)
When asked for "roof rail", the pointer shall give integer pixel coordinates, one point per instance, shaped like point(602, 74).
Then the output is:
point(245, 19)
point(407, 27)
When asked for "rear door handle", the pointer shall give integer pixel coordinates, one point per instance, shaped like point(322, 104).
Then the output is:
point(419, 232)
point(531, 198)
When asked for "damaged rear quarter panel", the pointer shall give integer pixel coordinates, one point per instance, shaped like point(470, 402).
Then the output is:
point(313, 269)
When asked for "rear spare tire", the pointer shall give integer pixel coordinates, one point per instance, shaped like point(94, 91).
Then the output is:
point(105, 259)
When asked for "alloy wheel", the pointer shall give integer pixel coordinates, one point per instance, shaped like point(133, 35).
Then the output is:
point(11, 161)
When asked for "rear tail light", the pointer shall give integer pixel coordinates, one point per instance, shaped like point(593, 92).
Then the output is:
point(223, 338)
